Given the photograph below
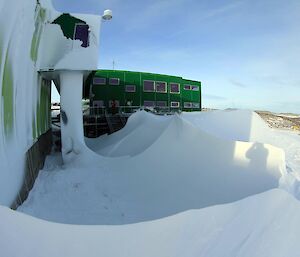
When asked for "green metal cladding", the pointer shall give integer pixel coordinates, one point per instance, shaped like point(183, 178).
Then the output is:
point(8, 95)
point(42, 120)
point(188, 97)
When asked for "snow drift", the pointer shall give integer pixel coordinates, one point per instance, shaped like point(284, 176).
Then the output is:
point(160, 166)
point(262, 225)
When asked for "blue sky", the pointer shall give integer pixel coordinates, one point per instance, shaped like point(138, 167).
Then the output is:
point(246, 53)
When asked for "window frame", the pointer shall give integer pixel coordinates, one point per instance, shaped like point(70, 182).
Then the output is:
point(165, 104)
point(178, 104)
point(149, 91)
point(130, 86)
point(99, 84)
point(193, 87)
point(149, 102)
point(196, 107)
point(166, 87)
point(190, 86)
point(185, 105)
point(170, 84)
point(109, 82)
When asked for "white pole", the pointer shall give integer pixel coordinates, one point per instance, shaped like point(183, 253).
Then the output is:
point(72, 136)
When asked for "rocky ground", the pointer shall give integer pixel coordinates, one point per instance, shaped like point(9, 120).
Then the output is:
point(281, 121)
point(285, 121)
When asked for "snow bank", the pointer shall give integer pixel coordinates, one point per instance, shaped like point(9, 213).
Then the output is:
point(247, 126)
point(160, 166)
point(262, 225)
point(142, 126)
point(241, 125)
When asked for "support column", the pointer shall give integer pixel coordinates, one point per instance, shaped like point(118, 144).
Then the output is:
point(71, 120)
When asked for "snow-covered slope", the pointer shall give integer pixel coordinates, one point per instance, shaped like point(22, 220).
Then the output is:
point(262, 225)
point(154, 167)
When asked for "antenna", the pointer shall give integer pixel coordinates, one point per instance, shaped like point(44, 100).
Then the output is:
point(113, 64)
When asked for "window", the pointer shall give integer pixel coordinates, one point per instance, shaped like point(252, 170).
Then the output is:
point(195, 88)
point(114, 81)
point(149, 86)
point(114, 103)
point(196, 105)
point(82, 33)
point(98, 103)
point(187, 105)
point(161, 87)
point(130, 88)
point(161, 103)
point(99, 81)
point(174, 104)
point(174, 88)
point(187, 87)
point(149, 103)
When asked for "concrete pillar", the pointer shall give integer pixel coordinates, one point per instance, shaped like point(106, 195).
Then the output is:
point(72, 136)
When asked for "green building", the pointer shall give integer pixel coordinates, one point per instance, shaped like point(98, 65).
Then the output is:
point(127, 89)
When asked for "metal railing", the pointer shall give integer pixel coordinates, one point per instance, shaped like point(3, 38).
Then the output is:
point(128, 110)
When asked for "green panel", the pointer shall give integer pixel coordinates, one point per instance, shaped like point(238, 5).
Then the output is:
point(173, 96)
point(196, 95)
point(162, 96)
point(101, 91)
point(42, 122)
point(8, 96)
point(35, 42)
point(147, 96)
point(116, 92)
point(186, 94)
point(133, 78)
point(137, 98)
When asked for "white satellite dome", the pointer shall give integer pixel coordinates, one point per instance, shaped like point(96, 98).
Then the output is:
point(107, 15)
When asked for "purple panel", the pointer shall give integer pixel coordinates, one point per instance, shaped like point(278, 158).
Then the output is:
point(187, 87)
point(82, 34)
point(130, 88)
point(161, 87)
point(174, 88)
point(148, 86)
point(148, 103)
point(161, 104)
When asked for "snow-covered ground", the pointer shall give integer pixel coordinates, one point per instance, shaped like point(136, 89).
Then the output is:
point(262, 225)
point(195, 184)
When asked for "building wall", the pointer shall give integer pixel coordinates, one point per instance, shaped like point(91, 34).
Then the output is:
point(108, 92)
point(24, 95)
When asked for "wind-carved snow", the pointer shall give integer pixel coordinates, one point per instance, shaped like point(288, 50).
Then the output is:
point(174, 167)
point(155, 167)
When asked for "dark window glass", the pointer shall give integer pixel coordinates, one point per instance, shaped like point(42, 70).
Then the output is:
point(195, 88)
point(187, 105)
point(161, 103)
point(130, 88)
point(187, 87)
point(99, 81)
point(82, 34)
point(174, 88)
point(149, 103)
point(161, 87)
point(98, 103)
point(196, 105)
point(174, 104)
point(114, 81)
point(148, 86)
